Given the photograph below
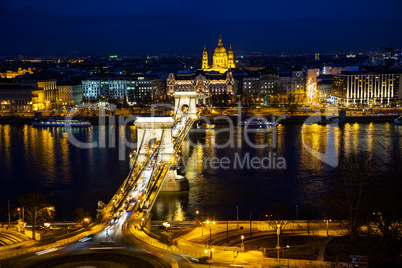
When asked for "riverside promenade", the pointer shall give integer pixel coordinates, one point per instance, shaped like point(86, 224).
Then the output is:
point(234, 252)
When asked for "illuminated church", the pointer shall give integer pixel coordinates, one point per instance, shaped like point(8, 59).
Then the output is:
point(221, 61)
point(214, 81)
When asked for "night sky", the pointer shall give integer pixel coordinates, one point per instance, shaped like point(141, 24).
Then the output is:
point(147, 27)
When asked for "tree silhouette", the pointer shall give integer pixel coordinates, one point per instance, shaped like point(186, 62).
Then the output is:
point(279, 215)
point(386, 222)
point(82, 216)
point(350, 198)
point(37, 208)
point(307, 213)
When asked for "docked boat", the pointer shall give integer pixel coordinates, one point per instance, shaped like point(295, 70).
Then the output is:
point(62, 123)
point(398, 121)
point(259, 123)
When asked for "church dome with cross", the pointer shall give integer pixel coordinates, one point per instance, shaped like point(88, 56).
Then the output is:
point(221, 60)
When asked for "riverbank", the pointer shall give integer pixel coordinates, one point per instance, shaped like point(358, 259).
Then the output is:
point(298, 248)
point(287, 119)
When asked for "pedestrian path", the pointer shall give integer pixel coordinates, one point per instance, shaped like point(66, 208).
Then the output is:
point(323, 247)
point(8, 237)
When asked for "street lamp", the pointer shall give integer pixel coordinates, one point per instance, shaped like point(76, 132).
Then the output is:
point(237, 212)
point(19, 213)
point(327, 222)
point(210, 238)
point(86, 221)
point(196, 218)
point(242, 242)
point(278, 232)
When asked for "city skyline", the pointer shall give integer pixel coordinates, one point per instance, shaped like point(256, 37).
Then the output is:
point(140, 28)
point(224, 133)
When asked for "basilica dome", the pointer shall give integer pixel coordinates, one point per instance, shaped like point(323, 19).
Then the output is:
point(220, 48)
point(221, 60)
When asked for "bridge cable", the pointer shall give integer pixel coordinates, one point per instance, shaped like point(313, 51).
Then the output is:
point(135, 161)
point(124, 184)
point(153, 169)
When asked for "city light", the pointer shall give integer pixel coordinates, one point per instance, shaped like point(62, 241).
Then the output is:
point(311, 91)
point(151, 132)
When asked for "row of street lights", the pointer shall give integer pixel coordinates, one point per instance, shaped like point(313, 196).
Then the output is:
point(210, 223)
point(278, 232)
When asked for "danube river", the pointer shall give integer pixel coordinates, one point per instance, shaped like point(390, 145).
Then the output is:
point(225, 169)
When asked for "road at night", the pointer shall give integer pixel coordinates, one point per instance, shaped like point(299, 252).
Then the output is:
point(115, 236)
point(116, 240)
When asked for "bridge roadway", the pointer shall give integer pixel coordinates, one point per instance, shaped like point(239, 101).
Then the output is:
point(139, 191)
point(136, 195)
point(107, 242)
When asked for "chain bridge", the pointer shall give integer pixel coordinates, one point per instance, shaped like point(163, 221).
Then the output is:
point(154, 163)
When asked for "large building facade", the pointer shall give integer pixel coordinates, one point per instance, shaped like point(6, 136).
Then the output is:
point(38, 100)
point(9, 74)
point(221, 60)
point(95, 88)
point(144, 91)
point(69, 94)
point(219, 87)
point(259, 89)
point(15, 98)
point(294, 85)
point(45, 95)
point(358, 88)
point(137, 91)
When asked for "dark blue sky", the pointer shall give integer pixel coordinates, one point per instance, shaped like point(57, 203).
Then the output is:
point(146, 27)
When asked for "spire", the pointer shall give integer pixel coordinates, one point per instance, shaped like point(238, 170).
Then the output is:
point(205, 58)
point(220, 40)
point(230, 48)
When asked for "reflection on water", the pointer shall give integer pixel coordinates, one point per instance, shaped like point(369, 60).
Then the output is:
point(172, 205)
point(217, 192)
point(44, 159)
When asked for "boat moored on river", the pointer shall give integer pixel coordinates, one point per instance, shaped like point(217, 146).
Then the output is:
point(62, 123)
point(259, 123)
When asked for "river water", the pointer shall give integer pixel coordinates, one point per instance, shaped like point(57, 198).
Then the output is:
point(254, 171)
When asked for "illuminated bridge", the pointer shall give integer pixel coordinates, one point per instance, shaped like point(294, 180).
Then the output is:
point(154, 164)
